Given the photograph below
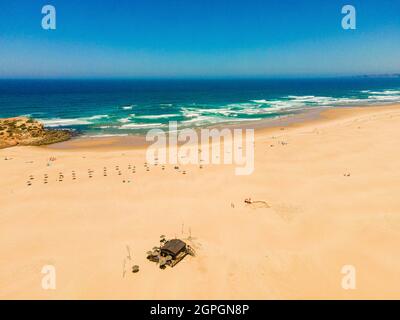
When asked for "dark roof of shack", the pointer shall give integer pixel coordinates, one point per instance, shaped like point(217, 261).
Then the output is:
point(174, 246)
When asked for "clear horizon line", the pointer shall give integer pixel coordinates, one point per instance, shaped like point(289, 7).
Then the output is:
point(199, 77)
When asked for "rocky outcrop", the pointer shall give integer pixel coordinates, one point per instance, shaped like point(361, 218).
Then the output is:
point(28, 132)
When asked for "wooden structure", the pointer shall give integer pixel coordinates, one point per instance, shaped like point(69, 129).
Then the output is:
point(173, 248)
point(170, 253)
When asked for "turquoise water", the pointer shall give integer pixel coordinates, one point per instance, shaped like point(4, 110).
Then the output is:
point(122, 107)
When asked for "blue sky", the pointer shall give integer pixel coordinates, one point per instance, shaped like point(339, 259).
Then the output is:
point(198, 38)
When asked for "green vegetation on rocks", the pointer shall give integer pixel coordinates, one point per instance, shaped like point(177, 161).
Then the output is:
point(28, 132)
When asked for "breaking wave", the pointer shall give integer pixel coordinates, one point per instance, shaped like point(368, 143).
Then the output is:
point(196, 114)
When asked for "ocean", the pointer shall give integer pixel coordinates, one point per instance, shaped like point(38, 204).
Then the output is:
point(123, 107)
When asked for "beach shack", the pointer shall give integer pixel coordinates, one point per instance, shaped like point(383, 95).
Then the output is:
point(170, 253)
point(173, 248)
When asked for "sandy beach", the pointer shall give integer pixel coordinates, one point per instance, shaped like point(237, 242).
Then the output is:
point(331, 185)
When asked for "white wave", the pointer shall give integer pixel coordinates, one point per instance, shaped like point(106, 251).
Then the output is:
point(383, 98)
point(219, 111)
point(130, 107)
point(60, 122)
point(242, 119)
point(202, 120)
point(230, 111)
point(57, 122)
point(325, 101)
point(141, 125)
point(96, 117)
point(159, 116)
point(225, 112)
point(385, 92)
point(262, 101)
point(374, 96)
point(190, 112)
point(269, 106)
point(284, 104)
point(303, 97)
point(344, 101)
point(107, 127)
point(33, 115)
point(124, 120)
point(241, 105)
